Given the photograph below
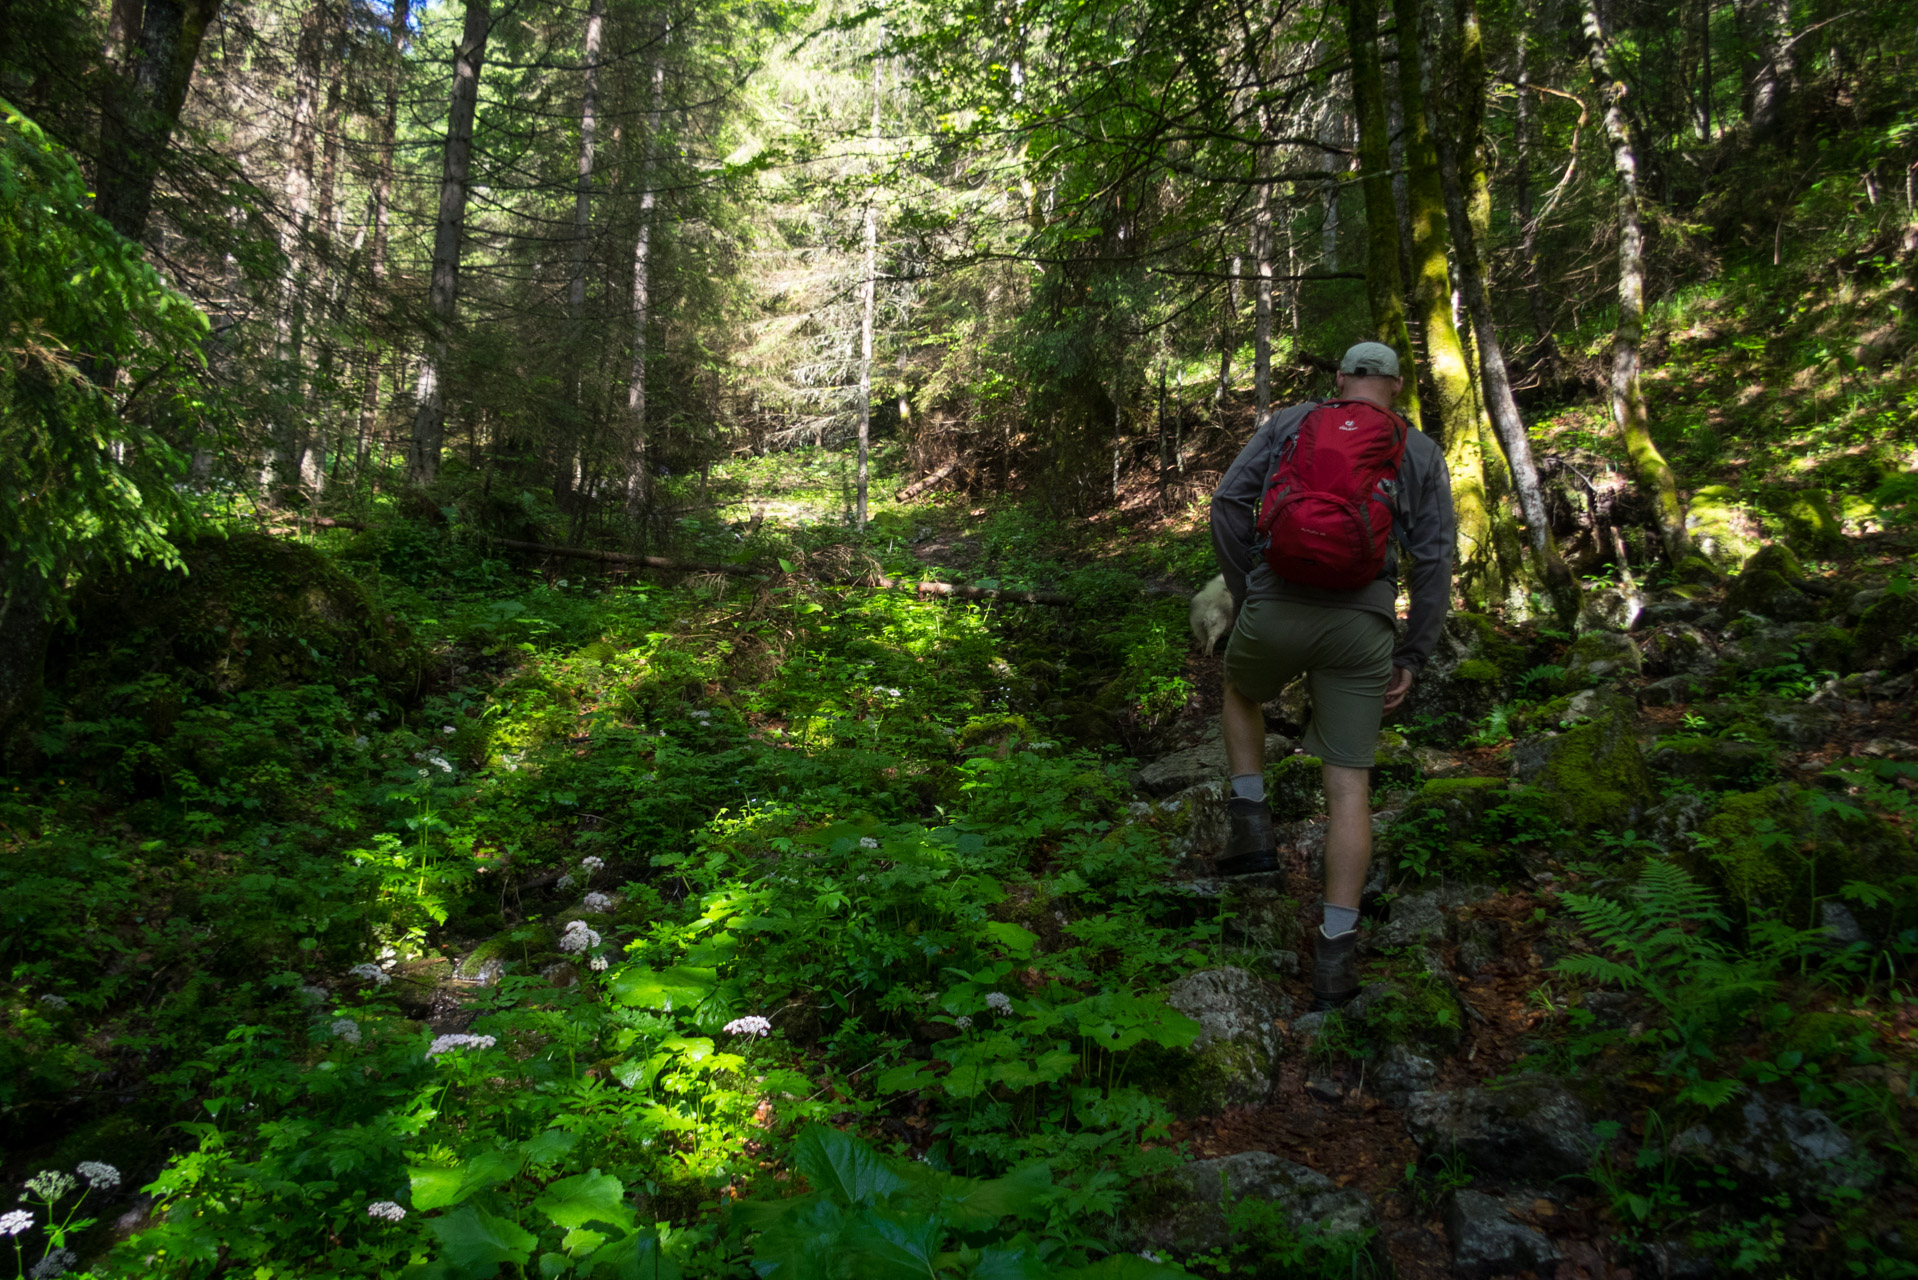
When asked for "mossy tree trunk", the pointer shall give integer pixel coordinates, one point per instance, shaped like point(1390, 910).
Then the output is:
point(1445, 361)
point(1469, 202)
point(1649, 469)
point(1383, 284)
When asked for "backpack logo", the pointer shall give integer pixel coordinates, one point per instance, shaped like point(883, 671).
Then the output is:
point(1328, 509)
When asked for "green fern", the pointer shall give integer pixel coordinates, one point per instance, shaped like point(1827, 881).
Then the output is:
point(1668, 940)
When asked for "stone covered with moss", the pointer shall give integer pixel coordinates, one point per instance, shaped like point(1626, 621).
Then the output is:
point(1471, 671)
point(1768, 587)
point(1237, 1049)
point(1786, 846)
point(1592, 774)
point(1719, 763)
point(1803, 517)
point(1722, 528)
point(1295, 787)
point(1886, 638)
point(1601, 656)
point(250, 612)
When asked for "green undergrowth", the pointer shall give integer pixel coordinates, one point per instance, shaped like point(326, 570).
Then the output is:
point(681, 869)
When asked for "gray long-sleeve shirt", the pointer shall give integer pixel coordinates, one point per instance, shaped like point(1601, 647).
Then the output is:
point(1424, 527)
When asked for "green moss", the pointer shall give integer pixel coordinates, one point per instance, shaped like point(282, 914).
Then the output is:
point(1477, 669)
point(1804, 516)
point(1714, 762)
point(1507, 658)
point(1419, 1010)
point(1592, 775)
point(1887, 635)
point(1785, 847)
point(1721, 526)
point(1395, 765)
point(1295, 787)
point(994, 731)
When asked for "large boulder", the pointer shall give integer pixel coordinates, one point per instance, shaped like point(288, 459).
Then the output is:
point(1470, 671)
point(1770, 586)
point(1185, 1211)
point(1722, 528)
point(1719, 763)
point(1592, 774)
point(1677, 648)
point(1194, 765)
point(1239, 1042)
point(1803, 517)
point(1599, 656)
point(1886, 637)
point(249, 612)
point(1777, 1144)
point(1785, 847)
point(1488, 1240)
point(1528, 1129)
point(1443, 830)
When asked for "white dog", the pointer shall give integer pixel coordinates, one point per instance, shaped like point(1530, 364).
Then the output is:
point(1212, 614)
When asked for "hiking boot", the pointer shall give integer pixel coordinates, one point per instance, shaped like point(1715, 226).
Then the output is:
point(1250, 848)
point(1335, 970)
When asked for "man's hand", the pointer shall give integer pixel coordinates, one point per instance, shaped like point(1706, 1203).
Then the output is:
point(1400, 686)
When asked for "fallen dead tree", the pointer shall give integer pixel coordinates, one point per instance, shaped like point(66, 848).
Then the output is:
point(926, 482)
point(953, 590)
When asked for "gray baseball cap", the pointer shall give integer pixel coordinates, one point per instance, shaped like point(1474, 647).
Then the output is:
point(1370, 360)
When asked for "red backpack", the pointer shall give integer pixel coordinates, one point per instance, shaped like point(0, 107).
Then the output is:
point(1327, 514)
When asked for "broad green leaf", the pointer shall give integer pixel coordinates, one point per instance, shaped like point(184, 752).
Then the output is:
point(636, 1257)
point(1014, 938)
point(475, 1243)
point(843, 1167)
point(970, 1202)
point(1010, 1262)
point(436, 1188)
point(1122, 1266)
point(965, 1081)
point(895, 1246)
point(549, 1146)
point(680, 987)
point(586, 1197)
point(907, 1075)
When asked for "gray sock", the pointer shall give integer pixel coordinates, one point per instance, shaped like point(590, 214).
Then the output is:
point(1339, 920)
point(1248, 786)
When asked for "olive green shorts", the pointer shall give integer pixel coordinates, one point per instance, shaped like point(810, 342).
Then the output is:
point(1346, 657)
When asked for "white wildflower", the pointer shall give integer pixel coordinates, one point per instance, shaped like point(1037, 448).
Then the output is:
point(426, 773)
point(50, 1184)
point(579, 936)
point(565, 882)
point(560, 583)
point(312, 994)
point(751, 1025)
point(13, 1222)
point(590, 864)
point(448, 1043)
point(962, 1022)
point(52, 1001)
point(362, 742)
point(999, 1002)
point(439, 762)
point(57, 1263)
point(347, 1030)
point(598, 964)
point(99, 1175)
point(597, 902)
point(448, 730)
point(371, 717)
point(700, 715)
point(371, 973)
point(867, 842)
point(385, 1209)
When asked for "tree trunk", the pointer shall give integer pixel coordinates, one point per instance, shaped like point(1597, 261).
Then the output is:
point(1262, 306)
point(1383, 285)
point(24, 631)
point(429, 420)
point(139, 120)
point(1649, 468)
point(868, 299)
point(1469, 201)
point(638, 477)
point(382, 220)
point(290, 428)
point(1547, 345)
point(1228, 313)
point(1444, 354)
point(1771, 80)
point(566, 446)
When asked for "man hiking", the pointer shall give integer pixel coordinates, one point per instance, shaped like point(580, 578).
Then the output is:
point(1303, 524)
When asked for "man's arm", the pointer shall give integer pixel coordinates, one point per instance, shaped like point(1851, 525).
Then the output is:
point(1235, 503)
point(1431, 535)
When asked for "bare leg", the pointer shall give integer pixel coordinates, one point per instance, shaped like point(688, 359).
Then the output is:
point(1348, 835)
point(1244, 727)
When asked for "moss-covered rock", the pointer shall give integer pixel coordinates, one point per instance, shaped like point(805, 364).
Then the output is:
point(1456, 804)
point(1803, 517)
point(1720, 763)
point(250, 612)
point(1768, 587)
point(1473, 668)
point(1191, 1208)
point(1295, 787)
point(1395, 764)
point(1592, 774)
point(1601, 656)
point(1785, 846)
point(1722, 528)
point(1886, 638)
point(1238, 1046)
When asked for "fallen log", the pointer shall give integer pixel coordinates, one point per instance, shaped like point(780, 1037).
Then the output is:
point(926, 482)
point(952, 590)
